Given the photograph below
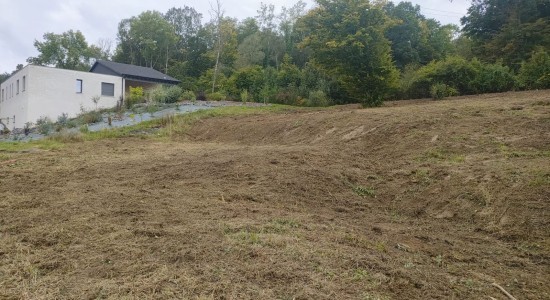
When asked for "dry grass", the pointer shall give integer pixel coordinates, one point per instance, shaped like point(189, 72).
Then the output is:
point(330, 204)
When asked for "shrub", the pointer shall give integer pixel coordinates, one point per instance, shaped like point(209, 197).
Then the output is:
point(157, 94)
point(244, 96)
point(172, 94)
point(441, 90)
point(318, 98)
point(91, 117)
point(494, 78)
point(44, 125)
point(136, 96)
point(535, 73)
point(217, 96)
point(188, 95)
point(288, 96)
point(63, 119)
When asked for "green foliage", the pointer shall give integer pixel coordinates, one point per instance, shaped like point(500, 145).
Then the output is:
point(68, 50)
point(188, 95)
point(147, 39)
point(44, 125)
point(494, 78)
point(90, 117)
point(173, 94)
point(318, 98)
point(245, 96)
point(461, 77)
point(136, 96)
point(507, 30)
point(347, 39)
point(535, 73)
point(217, 96)
point(157, 94)
point(440, 90)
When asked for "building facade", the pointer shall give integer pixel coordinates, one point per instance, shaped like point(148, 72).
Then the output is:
point(36, 91)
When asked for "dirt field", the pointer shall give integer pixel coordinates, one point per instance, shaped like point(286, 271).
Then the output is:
point(414, 200)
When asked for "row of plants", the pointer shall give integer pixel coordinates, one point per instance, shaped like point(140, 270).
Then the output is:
point(455, 76)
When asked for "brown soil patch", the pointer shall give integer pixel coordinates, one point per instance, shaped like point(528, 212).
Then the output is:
point(415, 200)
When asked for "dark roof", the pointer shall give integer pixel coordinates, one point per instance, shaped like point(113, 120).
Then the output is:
point(132, 72)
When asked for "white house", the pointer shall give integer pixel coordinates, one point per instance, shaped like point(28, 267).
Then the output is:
point(36, 91)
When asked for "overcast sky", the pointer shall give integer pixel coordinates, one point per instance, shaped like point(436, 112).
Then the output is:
point(22, 22)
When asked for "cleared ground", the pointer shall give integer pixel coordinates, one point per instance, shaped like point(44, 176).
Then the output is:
point(414, 200)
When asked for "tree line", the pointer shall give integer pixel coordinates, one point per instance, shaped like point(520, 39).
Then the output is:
point(341, 51)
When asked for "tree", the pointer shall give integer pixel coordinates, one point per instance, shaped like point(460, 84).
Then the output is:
point(217, 17)
point(347, 39)
point(68, 50)
point(508, 29)
point(416, 40)
point(147, 39)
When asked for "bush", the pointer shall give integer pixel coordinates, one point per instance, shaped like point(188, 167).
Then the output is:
point(188, 95)
point(440, 90)
point(44, 125)
point(172, 94)
point(217, 96)
point(136, 96)
point(494, 78)
point(157, 94)
point(318, 98)
point(535, 73)
point(63, 119)
point(91, 117)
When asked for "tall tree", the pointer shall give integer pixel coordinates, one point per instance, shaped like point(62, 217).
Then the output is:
point(147, 39)
point(217, 18)
point(68, 50)
point(347, 39)
point(508, 29)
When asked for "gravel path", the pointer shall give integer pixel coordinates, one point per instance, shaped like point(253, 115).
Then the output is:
point(130, 118)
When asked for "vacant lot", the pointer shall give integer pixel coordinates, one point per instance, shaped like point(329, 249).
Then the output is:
point(414, 200)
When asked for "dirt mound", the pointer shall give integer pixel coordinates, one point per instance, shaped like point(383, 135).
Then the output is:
point(414, 200)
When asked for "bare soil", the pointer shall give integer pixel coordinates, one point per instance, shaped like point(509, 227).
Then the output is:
point(414, 200)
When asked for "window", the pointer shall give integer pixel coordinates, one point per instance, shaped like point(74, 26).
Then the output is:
point(107, 89)
point(79, 86)
point(17, 85)
point(24, 83)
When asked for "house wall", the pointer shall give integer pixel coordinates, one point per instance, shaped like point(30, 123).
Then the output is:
point(14, 104)
point(51, 92)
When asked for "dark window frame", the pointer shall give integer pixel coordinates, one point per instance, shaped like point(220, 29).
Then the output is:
point(107, 89)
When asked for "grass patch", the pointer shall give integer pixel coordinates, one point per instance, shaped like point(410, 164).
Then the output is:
point(176, 125)
point(541, 179)
point(511, 153)
point(45, 144)
point(364, 191)
point(442, 155)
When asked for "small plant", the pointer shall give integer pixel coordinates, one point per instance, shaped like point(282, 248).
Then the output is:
point(217, 96)
point(172, 94)
point(44, 125)
point(91, 117)
point(84, 128)
point(27, 128)
point(63, 119)
point(188, 95)
point(136, 96)
point(95, 100)
point(244, 96)
point(364, 191)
